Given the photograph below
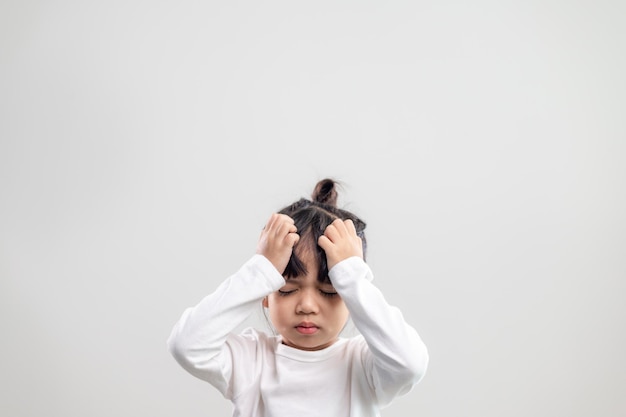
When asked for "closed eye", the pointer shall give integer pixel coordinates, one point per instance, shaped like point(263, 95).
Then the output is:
point(283, 293)
point(328, 293)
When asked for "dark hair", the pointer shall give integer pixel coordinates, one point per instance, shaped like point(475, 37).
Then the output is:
point(311, 218)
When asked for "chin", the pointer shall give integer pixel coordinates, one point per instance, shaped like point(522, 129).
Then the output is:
point(313, 344)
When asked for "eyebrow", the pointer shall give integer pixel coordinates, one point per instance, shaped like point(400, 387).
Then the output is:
point(298, 278)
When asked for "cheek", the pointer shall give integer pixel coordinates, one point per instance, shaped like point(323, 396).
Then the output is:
point(339, 309)
point(278, 305)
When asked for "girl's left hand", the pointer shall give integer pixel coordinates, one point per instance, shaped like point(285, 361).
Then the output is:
point(340, 242)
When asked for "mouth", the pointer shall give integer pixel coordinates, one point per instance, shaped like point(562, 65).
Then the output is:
point(307, 328)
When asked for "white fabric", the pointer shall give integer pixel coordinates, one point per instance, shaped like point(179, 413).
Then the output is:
point(262, 377)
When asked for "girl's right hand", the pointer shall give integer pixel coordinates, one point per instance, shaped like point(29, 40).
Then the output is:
point(277, 240)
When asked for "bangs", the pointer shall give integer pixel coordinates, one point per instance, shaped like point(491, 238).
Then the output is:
point(310, 227)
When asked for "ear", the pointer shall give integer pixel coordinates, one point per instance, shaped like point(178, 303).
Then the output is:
point(264, 302)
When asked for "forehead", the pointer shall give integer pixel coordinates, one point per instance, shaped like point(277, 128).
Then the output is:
point(307, 260)
point(305, 251)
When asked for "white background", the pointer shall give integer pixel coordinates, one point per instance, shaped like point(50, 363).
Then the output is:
point(143, 144)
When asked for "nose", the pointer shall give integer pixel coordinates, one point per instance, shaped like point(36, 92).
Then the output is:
point(307, 303)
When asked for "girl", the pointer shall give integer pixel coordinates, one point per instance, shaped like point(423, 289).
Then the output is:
point(309, 273)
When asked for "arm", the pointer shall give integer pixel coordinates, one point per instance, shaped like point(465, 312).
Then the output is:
point(199, 337)
point(398, 358)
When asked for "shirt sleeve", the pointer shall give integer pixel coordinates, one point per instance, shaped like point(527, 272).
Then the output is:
point(199, 337)
point(397, 357)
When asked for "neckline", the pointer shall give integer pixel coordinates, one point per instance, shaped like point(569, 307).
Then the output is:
point(308, 355)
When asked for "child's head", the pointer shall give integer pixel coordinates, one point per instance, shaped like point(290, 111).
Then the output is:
point(307, 311)
point(311, 218)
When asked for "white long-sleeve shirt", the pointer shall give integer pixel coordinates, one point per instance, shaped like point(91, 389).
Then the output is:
point(262, 377)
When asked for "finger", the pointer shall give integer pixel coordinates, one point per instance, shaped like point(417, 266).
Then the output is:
point(324, 242)
point(271, 221)
point(335, 230)
point(285, 228)
point(341, 226)
point(285, 218)
point(278, 218)
point(292, 239)
point(350, 228)
point(331, 232)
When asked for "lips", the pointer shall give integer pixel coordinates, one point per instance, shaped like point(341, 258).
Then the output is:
point(306, 327)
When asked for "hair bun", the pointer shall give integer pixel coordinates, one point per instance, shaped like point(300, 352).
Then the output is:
point(325, 192)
